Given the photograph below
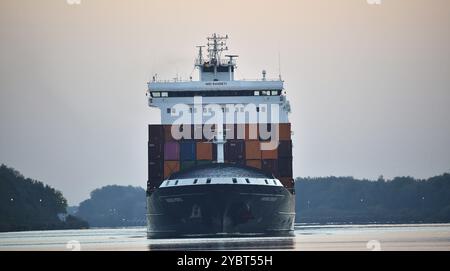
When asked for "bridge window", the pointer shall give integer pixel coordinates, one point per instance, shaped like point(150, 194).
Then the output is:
point(234, 180)
point(156, 94)
point(221, 93)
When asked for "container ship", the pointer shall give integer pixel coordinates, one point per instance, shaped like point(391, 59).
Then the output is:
point(220, 161)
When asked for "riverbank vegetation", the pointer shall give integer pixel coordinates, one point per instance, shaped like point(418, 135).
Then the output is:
point(350, 200)
point(27, 204)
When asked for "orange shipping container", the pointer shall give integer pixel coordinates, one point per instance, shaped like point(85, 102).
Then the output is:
point(285, 131)
point(254, 163)
point(171, 167)
point(204, 151)
point(252, 149)
point(269, 154)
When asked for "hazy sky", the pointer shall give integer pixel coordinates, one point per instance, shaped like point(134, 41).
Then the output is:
point(369, 85)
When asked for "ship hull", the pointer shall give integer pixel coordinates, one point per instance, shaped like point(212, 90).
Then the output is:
point(220, 210)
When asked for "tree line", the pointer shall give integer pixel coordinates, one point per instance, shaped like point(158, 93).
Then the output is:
point(349, 200)
point(114, 206)
point(27, 204)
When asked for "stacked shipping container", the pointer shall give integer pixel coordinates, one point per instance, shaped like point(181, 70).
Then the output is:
point(166, 155)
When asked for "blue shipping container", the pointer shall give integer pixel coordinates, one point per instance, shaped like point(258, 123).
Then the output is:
point(187, 150)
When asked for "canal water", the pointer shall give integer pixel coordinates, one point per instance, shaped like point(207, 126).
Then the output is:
point(307, 237)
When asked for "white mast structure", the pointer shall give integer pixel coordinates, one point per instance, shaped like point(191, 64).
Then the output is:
point(216, 45)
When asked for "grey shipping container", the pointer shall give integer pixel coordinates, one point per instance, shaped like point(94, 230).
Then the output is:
point(155, 150)
point(155, 169)
point(234, 150)
point(270, 166)
point(285, 149)
point(285, 167)
point(155, 133)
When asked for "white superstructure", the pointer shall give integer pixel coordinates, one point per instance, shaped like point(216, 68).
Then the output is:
point(241, 101)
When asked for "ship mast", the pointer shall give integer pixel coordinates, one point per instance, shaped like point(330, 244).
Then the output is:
point(212, 67)
point(216, 45)
point(220, 141)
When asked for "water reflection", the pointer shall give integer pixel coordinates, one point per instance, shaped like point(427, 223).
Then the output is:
point(266, 243)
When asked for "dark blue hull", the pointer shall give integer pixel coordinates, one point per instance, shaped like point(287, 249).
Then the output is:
point(220, 210)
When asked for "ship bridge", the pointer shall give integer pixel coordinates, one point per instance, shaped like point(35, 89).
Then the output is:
point(217, 85)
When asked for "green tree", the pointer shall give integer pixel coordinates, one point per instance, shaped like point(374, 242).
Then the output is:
point(27, 204)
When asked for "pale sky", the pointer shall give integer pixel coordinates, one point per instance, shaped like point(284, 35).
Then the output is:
point(369, 85)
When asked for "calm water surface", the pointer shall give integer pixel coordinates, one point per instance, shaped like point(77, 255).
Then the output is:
point(307, 237)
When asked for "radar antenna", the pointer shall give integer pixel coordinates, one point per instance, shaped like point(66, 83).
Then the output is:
point(216, 45)
point(200, 54)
